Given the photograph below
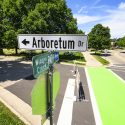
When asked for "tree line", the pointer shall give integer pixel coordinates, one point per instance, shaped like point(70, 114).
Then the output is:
point(45, 17)
point(100, 38)
point(34, 17)
point(120, 42)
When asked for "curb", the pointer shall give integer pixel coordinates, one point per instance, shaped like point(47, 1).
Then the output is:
point(15, 112)
point(20, 108)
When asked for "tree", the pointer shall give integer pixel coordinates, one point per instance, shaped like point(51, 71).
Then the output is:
point(50, 17)
point(1, 28)
point(13, 12)
point(121, 42)
point(36, 17)
point(99, 37)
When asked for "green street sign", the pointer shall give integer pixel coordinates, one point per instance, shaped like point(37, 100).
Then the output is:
point(42, 62)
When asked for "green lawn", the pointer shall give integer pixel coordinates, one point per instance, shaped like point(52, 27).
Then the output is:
point(7, 117)
point(110, 93)
point(101, 60)
point(21, 52)
point(70, 57)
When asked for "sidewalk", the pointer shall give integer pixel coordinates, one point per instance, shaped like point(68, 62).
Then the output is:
point(90, 60)
point(19, 107)
point(10, 100)
point(9, 58)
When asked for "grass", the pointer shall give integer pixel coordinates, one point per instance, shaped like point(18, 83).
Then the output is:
point(10, 52)
point(7, 117)
point(70, 57)
point(23, 54)
point(98, 57)
point(101, 60)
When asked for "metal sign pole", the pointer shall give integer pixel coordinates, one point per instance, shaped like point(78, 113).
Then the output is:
point(51, 94)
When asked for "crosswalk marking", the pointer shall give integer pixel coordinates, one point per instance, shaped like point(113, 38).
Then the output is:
point(65, 116)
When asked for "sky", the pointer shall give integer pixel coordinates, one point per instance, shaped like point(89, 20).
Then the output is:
point(109, 13)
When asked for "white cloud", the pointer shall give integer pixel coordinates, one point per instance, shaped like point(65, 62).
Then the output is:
point(81, 9)
point(114, 19)
point(116, 22)
point(99, 7)
point(96, 2)
point(122, 5)
point(83, 19)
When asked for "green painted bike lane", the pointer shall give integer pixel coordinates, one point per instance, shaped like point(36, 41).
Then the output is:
point(109, 92)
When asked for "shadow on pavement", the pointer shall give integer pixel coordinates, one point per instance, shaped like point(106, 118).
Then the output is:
point(122, 52)
point(102, 54)
point(14, 70)
point(31, 77)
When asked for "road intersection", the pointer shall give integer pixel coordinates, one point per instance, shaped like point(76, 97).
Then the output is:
point(79, 113)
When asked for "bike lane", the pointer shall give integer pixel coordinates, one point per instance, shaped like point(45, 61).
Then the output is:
point(109, 92)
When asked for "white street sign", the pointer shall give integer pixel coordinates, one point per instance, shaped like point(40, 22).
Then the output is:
point(74, 42)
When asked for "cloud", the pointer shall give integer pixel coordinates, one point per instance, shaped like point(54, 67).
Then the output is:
point(83, 19)
point(113, 18)
point(81, 9)
point(99, 7)
point(122, 5)
point(116, 22)
point(96, 2)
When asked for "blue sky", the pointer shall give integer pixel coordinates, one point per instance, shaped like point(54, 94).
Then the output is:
point(109, 13)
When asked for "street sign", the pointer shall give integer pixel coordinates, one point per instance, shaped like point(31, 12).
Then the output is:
point(42, 62)
point(56, 56)
point(74, 42)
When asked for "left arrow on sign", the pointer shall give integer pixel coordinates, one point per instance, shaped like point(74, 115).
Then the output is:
point(25, 42)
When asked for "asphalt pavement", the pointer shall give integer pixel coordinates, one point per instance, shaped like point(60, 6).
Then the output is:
point(14, 70)
point(115, 57)
point(119, 69)
point(82, 111)
point(20, 74)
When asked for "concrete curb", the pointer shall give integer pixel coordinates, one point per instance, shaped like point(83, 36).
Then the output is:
point(64, 63)
point(18, 107)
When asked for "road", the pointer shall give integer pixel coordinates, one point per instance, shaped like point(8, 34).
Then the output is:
point(116, 57)
point(12, 71)
point(67, 109)
point(119, 69)
point(81, 112)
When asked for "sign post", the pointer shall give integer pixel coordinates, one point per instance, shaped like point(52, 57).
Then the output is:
point(44, 62)
point(51, 94)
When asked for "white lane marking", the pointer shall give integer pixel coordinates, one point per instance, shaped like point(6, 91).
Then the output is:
point(121, 66)
point(93, 100)
point(117, 76)
point(65, 116)
point(118, 70)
